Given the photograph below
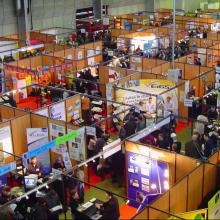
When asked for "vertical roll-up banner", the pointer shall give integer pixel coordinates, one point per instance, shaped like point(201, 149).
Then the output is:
point(37, 137)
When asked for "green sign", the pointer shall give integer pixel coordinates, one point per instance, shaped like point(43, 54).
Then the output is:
point(67, 137)
point(214, 207)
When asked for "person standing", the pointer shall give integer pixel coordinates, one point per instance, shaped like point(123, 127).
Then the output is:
point(150, 106)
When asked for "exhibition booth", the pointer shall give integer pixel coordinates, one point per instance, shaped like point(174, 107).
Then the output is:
point(188, 76)
point(193, 191)
point(189, 22)
point(42, 69)
point(84, 55)
point(151, 39)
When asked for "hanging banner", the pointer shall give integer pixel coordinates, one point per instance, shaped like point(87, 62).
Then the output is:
point(57, 111)
point(214, 207)
point(37, 137)
point(5, 140)
point(77, 149)
point(57, 131)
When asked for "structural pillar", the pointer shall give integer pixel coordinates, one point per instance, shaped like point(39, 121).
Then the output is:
point(97, 7)
point(23, 19)
point(150, 5)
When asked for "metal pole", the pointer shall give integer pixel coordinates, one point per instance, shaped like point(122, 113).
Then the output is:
point(174, 33)
point(26, 21)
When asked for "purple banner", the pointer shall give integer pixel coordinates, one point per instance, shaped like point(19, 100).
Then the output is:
point(147, 179)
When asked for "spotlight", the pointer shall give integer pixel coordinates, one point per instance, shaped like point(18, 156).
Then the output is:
point(93, 161)
point(127, 202)
point(86, 165)
point(27, 197)
point(47, 187)
point(153, 186)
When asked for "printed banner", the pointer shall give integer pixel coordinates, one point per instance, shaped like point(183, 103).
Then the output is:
point(5, 140)
point(37, 137)
point(57, 111)
point(77, 146)
point(55, 132)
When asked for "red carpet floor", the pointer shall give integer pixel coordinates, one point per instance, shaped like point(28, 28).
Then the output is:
point(32, 103)
point(182, 125)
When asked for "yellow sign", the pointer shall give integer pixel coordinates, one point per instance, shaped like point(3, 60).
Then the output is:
point(28, 80)
point(194, 215)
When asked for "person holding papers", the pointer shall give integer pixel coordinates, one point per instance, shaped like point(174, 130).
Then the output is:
point(35, 167)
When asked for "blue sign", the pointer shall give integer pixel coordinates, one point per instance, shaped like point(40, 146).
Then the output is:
point(147, 46)
point(128, 26)
point(7, 168)
point(40, 150)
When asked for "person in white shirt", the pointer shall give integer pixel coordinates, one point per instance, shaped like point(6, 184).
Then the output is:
point(169, 104)
point(150, 106)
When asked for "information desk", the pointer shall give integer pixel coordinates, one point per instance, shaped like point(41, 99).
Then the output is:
point(89, 211)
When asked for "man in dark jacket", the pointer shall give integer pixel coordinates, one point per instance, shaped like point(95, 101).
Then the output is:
point(130, 127)
point(193, 148)
point(110, 209)
point(208, 145)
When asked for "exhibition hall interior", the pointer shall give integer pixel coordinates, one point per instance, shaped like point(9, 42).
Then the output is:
point(109, 109)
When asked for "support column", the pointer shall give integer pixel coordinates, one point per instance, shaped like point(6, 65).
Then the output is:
point(97, 7)
point(149, 5)
point(23, 18)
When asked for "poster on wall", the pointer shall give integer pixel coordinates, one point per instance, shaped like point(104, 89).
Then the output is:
point(43, 112)
point(91, 61)
point(37, 137)
point(136, 59)
point(147, 178)
point(57, 111)
point(113, 75)
point(77, 149)
point(5, 140)
point(214, 207)
point(55, 132)
point(80, 55)
point(98, 50)
point(90, 53)
point(21, 84)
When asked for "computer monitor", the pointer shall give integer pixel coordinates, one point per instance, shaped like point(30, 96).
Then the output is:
point(30, 181)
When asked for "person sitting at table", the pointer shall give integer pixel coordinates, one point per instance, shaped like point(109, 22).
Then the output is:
point(109, 209)
point(150, 106)
point(35, 167)
point(59, 164)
